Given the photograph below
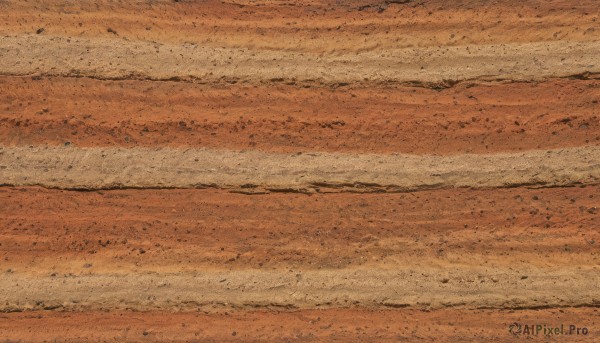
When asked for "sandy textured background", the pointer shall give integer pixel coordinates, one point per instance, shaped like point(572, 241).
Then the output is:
point(298, 171)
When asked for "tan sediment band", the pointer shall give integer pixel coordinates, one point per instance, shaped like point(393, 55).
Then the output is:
point(98, 168)
point(473, 287)
point(122, 59)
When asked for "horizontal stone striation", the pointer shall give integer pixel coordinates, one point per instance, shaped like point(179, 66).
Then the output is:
point(472, 287)
point(122, 59)
point(252, 171)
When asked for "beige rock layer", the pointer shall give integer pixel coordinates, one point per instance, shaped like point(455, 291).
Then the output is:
point(118, 58)
point(95, 168)
point(519, 287)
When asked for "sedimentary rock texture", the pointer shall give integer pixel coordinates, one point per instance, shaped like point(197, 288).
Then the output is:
point(299, 170)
